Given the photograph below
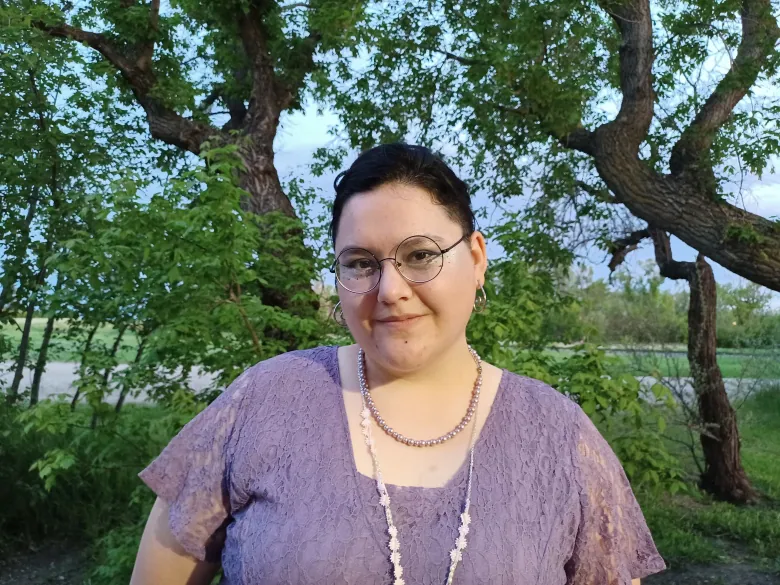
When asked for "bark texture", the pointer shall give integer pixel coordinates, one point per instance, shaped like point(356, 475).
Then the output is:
point(723, 475)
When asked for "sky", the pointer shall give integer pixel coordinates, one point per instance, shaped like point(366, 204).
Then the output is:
point(301, 133)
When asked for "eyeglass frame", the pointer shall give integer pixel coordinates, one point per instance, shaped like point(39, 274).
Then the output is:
point(463, 238)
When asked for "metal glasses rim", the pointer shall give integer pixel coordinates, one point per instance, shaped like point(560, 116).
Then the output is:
point(381, 267)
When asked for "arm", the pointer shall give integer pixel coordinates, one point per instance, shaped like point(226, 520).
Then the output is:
point(161, 559)
point(635, 582)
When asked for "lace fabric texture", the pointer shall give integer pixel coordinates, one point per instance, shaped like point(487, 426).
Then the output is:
point(264, 478)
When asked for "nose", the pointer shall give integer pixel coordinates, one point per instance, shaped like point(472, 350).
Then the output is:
point(392, 286)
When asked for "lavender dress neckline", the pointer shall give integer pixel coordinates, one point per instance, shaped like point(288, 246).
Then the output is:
point(458, 479)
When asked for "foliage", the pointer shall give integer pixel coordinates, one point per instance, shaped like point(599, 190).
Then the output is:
point(634, 309)
point(88, 474)
point(57, 143)
point(539, 101)
point(189, 281)
point(745, 317)
point(191, 286)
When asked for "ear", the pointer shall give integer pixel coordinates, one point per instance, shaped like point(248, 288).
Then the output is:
point(479, 255)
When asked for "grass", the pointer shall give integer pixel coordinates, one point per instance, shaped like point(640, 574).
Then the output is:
point(747, 363)
point(731, 366)
point(693, 528)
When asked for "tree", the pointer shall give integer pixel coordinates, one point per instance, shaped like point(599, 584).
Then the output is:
point(53, 153)
point(525, 96)
point(177, 60)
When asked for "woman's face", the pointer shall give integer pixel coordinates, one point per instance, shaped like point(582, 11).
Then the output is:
point(378, 221)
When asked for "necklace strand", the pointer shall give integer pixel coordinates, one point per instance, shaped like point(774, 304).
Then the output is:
point(472, 408)
point(456, 554)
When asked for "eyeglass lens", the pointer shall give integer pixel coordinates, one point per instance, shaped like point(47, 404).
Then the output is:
point(418, 259)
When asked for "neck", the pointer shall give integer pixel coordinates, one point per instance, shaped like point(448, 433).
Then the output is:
point(453, 368)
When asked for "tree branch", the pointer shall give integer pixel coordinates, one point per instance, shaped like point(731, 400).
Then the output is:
point(147, 49)
point(667, 265)
point(294, 5)
point(462, 60)
point(164, 123)
point(624, 246)
point(304, 64)
point(759, 35)
point(632, 18)
point(209, 100)
point(263, 112)
point(95, 40)
point(602, 195)
point(579, 139)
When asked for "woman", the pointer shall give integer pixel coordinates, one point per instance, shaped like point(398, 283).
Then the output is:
point(403, 457)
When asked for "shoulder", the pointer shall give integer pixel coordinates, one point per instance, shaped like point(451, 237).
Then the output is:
point(591, 456)
point(542, 401)
point(293, 375)
point(292, 366)
point(546, 411)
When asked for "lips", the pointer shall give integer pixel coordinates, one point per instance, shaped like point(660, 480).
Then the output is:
point(400, 319)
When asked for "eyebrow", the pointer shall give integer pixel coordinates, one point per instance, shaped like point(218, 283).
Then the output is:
point(438, 239)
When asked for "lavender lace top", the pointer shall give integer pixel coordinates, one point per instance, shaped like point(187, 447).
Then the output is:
point(265, 478)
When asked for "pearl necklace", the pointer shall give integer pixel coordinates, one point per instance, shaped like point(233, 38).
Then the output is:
point(439, 440)
point(456, 554)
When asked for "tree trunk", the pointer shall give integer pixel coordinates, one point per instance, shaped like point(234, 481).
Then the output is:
point(746, 244)
point(125, 389)
point(87, 347)
point(261, 181)
point(40, 365)
point(114, 350)
point(14, 257)
point(723, 475)
point(107, 371)
point(24, 344)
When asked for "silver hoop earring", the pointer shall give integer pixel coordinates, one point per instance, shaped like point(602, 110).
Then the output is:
point(338, 315)
point(481, 301)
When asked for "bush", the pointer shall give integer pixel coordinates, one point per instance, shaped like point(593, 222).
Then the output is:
point(61, 478)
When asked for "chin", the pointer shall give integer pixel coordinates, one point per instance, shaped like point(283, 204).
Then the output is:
point(403, 354)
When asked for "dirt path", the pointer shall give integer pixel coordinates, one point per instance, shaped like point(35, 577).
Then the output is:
point(52, 564)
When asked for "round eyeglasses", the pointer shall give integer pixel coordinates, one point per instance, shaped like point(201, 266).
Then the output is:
point(418, 259)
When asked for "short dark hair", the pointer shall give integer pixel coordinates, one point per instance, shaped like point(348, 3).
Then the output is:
point(406, 164)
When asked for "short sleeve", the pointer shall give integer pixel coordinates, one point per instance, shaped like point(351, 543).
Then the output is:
point(613, 544)
point(190, 474)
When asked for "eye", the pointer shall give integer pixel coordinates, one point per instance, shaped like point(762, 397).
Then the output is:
point(422, 256)
point(360, 264)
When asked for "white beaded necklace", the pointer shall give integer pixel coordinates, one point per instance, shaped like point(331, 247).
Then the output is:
point(456, 554)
